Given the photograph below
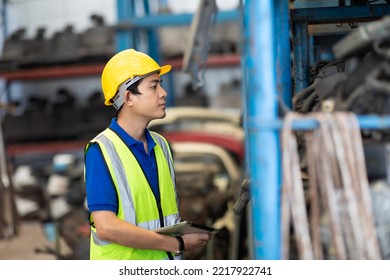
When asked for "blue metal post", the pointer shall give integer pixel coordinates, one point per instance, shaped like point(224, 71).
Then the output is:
point(4, 19)
point(244, 46)
point(153, 49)
point(262, 151)
point(301, 56)
point(283, 52)
point(125, 11)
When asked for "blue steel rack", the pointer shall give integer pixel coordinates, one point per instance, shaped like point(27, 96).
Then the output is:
point(265, 82)
point(266, 66)
point(301, 18)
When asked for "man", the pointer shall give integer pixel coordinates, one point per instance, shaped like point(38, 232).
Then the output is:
point(129, 174)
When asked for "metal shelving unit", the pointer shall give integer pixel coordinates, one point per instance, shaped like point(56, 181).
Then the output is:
point(129, 26)
point(302, 17)
point(264, 68)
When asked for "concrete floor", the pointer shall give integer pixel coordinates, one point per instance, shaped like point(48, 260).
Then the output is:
point(22, 247)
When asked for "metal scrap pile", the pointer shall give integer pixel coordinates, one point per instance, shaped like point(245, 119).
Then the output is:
point(358, 80)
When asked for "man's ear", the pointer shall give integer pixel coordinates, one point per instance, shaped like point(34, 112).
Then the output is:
point(128, 98)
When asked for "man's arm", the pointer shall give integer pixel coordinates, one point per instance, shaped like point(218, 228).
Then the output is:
point(112, 229)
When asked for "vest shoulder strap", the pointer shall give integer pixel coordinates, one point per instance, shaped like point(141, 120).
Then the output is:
point(164, 145)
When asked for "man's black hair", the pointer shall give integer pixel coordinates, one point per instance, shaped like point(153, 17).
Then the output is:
point(134, 90)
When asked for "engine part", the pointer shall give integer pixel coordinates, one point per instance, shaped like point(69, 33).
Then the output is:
point(377, 157)
point(195, 56)
point(36, 50)
point(98, 42)
point(357, 81)
point(361, 39)
point(65, 46)
point(13, 49)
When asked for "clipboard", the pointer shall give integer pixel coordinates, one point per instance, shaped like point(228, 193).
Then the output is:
point(186, 227)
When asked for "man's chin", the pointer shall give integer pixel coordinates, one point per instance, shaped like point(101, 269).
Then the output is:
point(162, 115)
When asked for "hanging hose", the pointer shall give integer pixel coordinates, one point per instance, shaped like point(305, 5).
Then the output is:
point(293, 195)
point(338, 198)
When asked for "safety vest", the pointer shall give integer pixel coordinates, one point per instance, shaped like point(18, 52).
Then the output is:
point(136, 202)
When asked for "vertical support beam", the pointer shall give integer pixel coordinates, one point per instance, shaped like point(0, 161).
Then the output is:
point(262, 149)
point(125, 38)
point(283, 52)
point(154, 52)
point(152, 37)
point(244, 46)
point(4, 18)
point(301, 46)
point(2, 186)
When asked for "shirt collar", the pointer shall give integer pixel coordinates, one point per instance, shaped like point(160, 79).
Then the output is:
point(129, 141)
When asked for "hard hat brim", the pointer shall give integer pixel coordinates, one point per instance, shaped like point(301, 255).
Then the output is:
point(165, 69)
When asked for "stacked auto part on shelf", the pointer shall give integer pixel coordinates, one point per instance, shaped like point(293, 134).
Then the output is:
point(356, 82)
point(96, 44)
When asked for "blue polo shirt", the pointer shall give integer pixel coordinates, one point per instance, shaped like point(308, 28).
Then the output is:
point(101, 192)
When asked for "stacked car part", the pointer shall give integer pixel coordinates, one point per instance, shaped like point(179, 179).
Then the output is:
point(96, 44)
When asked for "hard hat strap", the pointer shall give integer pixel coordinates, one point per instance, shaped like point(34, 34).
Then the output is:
point(119, 97)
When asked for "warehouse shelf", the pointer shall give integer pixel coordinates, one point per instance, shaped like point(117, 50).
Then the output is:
point(40, 73)
point(52, 147)
point(69, 71)
point(340, 14)
point(80, 70)
point(127, 23)
point(216, 60)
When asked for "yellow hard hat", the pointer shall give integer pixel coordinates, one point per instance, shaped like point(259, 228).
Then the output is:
point(125, 66)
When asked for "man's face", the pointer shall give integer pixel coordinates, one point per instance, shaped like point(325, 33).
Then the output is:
point(151, 103)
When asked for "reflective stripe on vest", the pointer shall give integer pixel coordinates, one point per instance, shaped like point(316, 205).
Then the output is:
point(136, 202)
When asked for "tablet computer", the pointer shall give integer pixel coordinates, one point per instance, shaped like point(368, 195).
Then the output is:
point(186, 227)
